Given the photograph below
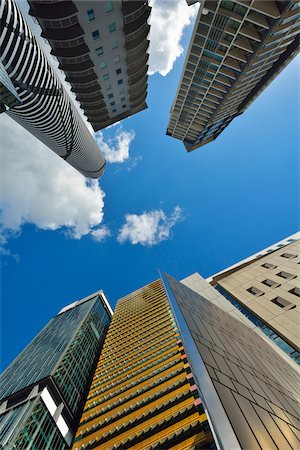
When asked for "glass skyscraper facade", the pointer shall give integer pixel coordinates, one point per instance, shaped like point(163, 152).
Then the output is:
point(43, 390)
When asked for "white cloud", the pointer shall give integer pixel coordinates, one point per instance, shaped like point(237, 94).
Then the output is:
point(40, 188)
point(149, 228)
point(168, 20)
point(100, 234)
point(116, 150)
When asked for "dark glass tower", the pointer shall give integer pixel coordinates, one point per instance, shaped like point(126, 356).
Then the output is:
point(43, 390)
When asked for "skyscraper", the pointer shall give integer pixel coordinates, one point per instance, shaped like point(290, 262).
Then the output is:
point(43, 107)
point(43, 390)
point(102, 48)
point(236, 50)
point(250, 392)
point(143, 394)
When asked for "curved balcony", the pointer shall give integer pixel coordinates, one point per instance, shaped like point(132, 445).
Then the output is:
point(137, 52)
point(98, 116)
point(81, 78)
point(136, 38)
point(99, 104)
point(131, 27)
point(138, 86)
point(138, 96)
point(63, 34)
point(93, 114)
point(57, 10)
point(86, 100)
point(85, 90)
point(136, 13)
point(138, 76)
point(78, 67)
point(130, 7)
point(137, 65)
point(100, 125)
point(66, 52)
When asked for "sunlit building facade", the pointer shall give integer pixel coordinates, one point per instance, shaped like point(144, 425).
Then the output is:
point(266, 288)
point(236, 50)
point(31, 94)
point(102, 49)
point(249, 388)
point(143, 394)
point(43, 390)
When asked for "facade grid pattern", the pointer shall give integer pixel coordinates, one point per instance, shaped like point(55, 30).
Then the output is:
point(143, 395)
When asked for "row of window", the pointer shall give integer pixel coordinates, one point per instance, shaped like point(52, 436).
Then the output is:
point(111, 28)
point(99, 50)
point(108, 7)
point(260, 324)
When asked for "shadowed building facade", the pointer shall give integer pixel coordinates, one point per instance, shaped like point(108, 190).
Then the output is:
point(236, 50)
point(102, 48)
point(43, 390)
point(143, 394)
point(32, 94)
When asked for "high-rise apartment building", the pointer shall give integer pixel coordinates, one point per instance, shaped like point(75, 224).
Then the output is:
point(37, 99)
point(43, 390)
point(102, 48)
point(236, 50)
point(143, 394)
point(250, 392)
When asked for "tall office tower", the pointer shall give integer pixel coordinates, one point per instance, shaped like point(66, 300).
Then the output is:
point(44, 108)
point(102, 48)
point(250, 392)
point(236, 50)
point(43, 390)
point(143, 394)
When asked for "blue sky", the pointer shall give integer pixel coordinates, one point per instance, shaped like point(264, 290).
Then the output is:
point(214, 207)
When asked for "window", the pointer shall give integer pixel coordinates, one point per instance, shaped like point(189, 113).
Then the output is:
point(286, 275)
point(123, 106)
point(91, 15)
point(110, 95)
point(270, 283)
point(123, 99)
point(113, 110)
point(120, 81)
point(112, 103)
point(102, 65)
point(108, 87)
point(254, 291)
point(116, 59)
point(114, 44)
point(99, 51)
point(279, 301)
point(112, 27)
point(288, 255)
point(96, 35)
point(295, 291)
point(108, 7)
point(268, 266)
point(106, 76)
point(118, 71)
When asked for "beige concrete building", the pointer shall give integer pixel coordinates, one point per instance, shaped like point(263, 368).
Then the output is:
point(236, 50)
point(263, 291)
point(250, 393)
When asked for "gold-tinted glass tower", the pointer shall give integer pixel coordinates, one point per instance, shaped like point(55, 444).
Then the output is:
point(143, 394)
